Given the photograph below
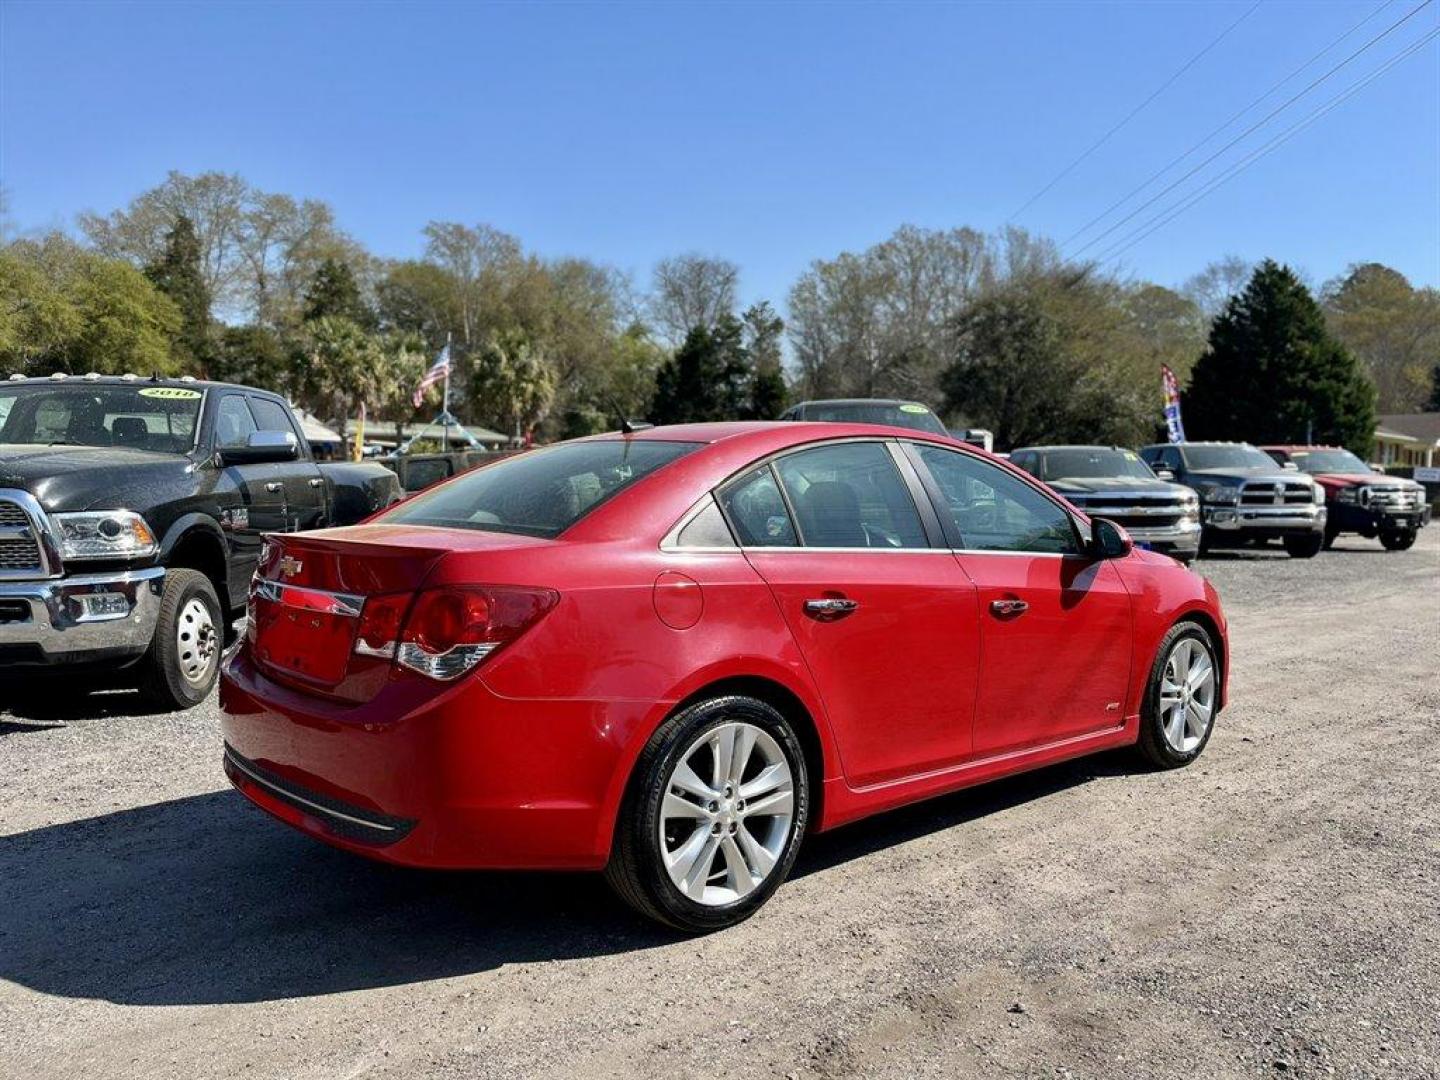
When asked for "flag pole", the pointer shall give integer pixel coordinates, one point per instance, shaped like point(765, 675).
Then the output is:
point(445, 413)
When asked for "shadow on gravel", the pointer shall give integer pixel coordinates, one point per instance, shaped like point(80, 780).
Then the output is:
point(203, 901)
point(34, 706)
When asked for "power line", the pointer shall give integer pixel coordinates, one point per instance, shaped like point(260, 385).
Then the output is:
point(1168, 215)
point(1254, 127)
point(1162, 171)
point(1132, 114)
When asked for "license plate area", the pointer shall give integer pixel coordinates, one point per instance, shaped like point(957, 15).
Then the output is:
point(307, 633)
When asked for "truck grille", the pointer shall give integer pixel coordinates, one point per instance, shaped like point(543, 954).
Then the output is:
point(1134, 511)
point(1276, 493)
point(1394, 498)
point(19, 548)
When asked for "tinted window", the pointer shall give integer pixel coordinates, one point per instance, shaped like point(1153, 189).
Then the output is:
point(756, 510)
point(1081, 463)
point(544, 492)
point(1227, 457)
point(994, 511)
point(271, 416)
point(851, 495)
point(233, 422)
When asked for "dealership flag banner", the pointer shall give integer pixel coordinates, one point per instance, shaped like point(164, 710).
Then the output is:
point(438, 371)
point(1174, 427)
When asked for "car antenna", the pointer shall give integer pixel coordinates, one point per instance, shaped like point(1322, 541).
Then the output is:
point(627, 426)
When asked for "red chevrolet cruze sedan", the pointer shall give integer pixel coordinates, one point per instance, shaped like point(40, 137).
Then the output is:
point(671, 654)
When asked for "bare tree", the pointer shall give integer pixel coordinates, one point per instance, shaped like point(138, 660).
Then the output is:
point(471, 255)
point(1212, 287)
point(692, 290)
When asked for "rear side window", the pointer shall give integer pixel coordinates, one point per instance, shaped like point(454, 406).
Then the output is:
point(851, 495)
point(995, 511)
point(757, 511)
point(541, 493)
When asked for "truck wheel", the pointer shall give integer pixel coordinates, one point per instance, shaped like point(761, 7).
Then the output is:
point(180, 669)
point(1330, 535)
point(713, 817)
point(1304, 547)
point(1181, 698)
point(1398, 539)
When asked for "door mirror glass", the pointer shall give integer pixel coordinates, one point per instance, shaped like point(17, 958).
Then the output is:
point(1108, 540)
point(262, 446)
point(1290, 465)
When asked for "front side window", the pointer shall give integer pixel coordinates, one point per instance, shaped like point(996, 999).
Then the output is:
point(233, 422)
point(851, 495)
point(543, 492)
point(992, 510)
point(271, 416)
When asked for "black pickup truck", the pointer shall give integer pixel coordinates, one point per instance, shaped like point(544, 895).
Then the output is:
point(132, 513)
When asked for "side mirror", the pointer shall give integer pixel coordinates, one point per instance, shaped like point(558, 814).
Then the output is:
point(1290, 465)
point(1163, 473)
point(262, 447)
point(1108, 540)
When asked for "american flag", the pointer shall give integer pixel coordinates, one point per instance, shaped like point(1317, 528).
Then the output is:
point(438, 371)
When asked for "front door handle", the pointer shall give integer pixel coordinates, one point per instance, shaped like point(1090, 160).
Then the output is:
point(316, 481)
point(830, 607)
point(274, 486)
point(1008, 608)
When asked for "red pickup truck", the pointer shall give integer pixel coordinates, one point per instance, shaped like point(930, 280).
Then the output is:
point(1359, 499)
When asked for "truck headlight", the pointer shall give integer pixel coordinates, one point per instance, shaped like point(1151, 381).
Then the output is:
point(105, 534)
point(1220, 493)
point(1319, 494)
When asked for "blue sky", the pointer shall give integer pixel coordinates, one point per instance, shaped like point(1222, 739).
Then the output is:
point(769, 134)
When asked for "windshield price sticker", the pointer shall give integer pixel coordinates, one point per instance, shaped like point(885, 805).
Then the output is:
point(170, 393)
point(914, 408)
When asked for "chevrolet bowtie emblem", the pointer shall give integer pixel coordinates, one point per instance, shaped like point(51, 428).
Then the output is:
point(289, 566)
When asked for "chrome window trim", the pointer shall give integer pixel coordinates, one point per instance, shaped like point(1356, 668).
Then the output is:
point(791, 550)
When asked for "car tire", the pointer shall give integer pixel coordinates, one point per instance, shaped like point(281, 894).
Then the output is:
point(657, 852)
point(1330, 536)
point(1169, 740)
point(183, 663)
point(1398, 539)
point(1304, 547)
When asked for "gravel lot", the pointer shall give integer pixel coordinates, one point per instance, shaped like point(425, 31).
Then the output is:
point(1275, 909)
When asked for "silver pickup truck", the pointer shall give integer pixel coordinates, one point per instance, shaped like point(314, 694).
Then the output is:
point(1112, 482)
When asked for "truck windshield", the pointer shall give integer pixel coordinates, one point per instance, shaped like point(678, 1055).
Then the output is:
point(139, 417)
point(1328, 461)
point(1228, 457)
point(892, 413)
point(1092, 463)
point(541, 493)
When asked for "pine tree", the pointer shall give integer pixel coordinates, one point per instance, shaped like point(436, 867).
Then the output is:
point(1273, 373)
point(767, 379)
point(334, 293)
point(177, 274)
point(1433, 405)
point(708, 378)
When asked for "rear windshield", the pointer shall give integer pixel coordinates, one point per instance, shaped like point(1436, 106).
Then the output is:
point(541, 493)
point(893, 414)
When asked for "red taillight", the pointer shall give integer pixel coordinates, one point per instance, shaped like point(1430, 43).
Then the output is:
point(449, 629)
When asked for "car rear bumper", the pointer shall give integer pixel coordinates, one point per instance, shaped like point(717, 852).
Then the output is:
point(452, 777)
point(42, 623)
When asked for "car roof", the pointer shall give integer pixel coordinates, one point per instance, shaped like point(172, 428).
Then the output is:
point(793, 432)
point(1065, 446)
point(859, 401)
point(94, 379)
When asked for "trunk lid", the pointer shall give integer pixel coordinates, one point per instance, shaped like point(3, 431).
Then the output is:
point(308, 601)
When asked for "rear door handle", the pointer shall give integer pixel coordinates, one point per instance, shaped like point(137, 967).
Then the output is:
point(1007, 608)
point(274, 486)
point(830, 607)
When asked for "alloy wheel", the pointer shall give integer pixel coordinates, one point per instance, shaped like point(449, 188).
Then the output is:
point(1187, 695)
point(727, 814)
